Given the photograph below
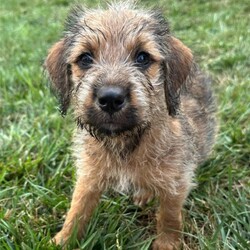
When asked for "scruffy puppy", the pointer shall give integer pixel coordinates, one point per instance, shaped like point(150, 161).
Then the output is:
point(144, 112)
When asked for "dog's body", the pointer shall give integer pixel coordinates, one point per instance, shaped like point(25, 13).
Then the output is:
point(145, 113)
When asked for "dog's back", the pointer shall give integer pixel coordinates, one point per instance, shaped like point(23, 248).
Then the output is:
point(198, 106)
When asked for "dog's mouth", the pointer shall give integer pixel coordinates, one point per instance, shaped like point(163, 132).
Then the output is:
point(111, 126)
point(110, 129)
point(114, 129)
point(101, 125)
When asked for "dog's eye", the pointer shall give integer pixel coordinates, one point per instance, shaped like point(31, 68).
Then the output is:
point(143, 60)
point(85, 60)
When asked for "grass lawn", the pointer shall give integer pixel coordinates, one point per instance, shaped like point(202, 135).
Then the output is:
point(36, 168)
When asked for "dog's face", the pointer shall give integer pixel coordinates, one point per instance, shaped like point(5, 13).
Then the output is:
point(115, 65)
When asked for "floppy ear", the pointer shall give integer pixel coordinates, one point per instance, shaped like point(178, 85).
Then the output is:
point(59, 74)
point(177, 68)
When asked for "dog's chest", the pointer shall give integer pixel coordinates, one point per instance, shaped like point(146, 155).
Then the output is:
point(122, 179)
point(129, 176)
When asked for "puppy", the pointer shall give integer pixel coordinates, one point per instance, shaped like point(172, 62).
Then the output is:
point(145, 113)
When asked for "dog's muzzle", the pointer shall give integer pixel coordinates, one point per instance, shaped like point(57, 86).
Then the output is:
point(112, 113)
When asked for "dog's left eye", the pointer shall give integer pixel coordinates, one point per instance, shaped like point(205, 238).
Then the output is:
point(85, 60)
point(143, 60)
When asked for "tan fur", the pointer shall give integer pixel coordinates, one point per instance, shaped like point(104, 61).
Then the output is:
point(156, 141)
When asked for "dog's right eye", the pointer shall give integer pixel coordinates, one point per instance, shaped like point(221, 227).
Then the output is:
point(143, 60)
point(85, 60)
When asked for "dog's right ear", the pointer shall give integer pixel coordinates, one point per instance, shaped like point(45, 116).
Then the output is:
point(59, 74)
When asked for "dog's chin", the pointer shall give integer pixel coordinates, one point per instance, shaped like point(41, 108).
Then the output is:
point(114, 130)
point(110, 130)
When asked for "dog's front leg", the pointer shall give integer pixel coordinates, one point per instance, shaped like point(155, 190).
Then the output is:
point(85, 198)
point(169, 223)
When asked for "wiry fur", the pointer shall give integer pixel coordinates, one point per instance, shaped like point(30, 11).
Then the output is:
point(153, 145)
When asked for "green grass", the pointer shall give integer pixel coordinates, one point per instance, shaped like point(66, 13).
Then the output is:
point(36, 173)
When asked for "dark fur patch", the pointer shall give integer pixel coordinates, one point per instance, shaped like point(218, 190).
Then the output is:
point(130, 137)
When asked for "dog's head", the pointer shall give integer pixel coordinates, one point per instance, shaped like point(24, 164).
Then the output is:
point(118, 67)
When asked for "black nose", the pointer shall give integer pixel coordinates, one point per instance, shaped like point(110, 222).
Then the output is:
point(111, 98)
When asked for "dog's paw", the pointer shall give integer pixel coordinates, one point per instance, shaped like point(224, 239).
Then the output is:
point(164, 243)
point(59, 239)
point(142, 198)
point(159, 245)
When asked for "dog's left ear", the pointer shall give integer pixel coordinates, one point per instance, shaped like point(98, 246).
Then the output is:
point(178, 66)
point(59, 74)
